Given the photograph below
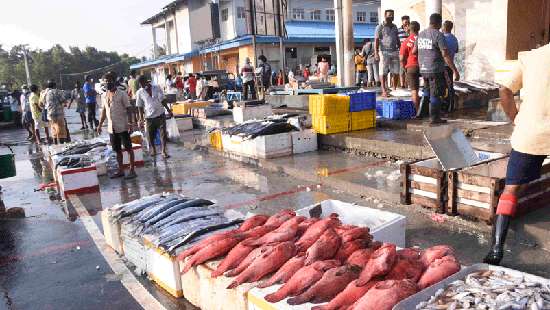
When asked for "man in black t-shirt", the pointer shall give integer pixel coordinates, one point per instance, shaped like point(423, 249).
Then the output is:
point(431, 48)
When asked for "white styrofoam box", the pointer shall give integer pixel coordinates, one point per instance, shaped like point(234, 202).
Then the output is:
point(304, 141)
point(243, 114)
point(164, 270)
point(256, 300)
point(185, 123)
point(384, 226)
point(111, 231)
point(232, 143)
point(101, 166)
point(138, 155)
point(133, 248)
point(270, 146)
point(77, 180)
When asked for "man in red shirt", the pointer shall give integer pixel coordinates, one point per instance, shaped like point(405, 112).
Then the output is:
point(409, 61)
point(192, 86)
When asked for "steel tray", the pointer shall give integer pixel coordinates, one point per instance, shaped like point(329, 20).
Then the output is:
point(411, 302)
point(451, 147)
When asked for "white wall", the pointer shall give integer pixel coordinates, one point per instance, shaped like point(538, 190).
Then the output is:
point(200, 20)
point(323, 5)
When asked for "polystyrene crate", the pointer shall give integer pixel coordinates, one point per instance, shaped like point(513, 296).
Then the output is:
point(332, 124)
point(363, 120)
point(328, 105)
point(398, 109)
point(379, 108)
point(304, 141)
point(362, 101)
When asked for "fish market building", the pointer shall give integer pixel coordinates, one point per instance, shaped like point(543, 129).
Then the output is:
point(204, 35)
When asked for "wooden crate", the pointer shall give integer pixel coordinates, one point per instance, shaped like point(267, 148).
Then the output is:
point(424, 183)
point(474, 192)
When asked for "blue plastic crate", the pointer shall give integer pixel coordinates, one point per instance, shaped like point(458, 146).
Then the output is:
point(380, 108)
point(362, 101)
point(398, 109)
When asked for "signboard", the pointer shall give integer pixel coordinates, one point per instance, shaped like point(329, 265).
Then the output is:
point(265, 17)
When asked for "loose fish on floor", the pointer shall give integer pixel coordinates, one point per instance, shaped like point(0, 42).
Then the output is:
point(302, 280)
point(266, 263)
point(379, 264)
point(333, 282)
point(487, 289)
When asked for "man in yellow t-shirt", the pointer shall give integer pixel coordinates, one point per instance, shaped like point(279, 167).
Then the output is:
point(530, 139)
point(360, 69)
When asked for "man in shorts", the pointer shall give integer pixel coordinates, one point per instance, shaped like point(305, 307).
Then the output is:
point(432, 57)
point(409, 61)
point(530, 139)
point(386, 49)
point(404, 33)
point(117, 109)
point(150, 100)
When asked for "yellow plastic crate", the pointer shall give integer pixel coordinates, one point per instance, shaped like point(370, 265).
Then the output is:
point(363, 120)
point(183, 108)
point(328, 105)
point(331, 124)
point(216, 140)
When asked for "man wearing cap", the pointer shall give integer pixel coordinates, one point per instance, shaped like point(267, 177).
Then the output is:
point(530, 139)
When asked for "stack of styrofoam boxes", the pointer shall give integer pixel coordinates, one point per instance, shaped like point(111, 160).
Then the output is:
point(133, 248)
point(363, 110)
point(330, 113)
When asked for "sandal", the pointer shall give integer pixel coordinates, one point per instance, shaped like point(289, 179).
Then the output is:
point(117, 175)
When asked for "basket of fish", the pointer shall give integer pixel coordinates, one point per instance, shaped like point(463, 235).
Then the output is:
point(483, 286)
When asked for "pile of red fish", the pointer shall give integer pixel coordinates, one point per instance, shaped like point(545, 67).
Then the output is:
point(321, 260)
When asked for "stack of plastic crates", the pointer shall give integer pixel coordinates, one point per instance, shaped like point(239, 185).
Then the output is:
point(363, 110)
point(398, 109)
point(330, 113)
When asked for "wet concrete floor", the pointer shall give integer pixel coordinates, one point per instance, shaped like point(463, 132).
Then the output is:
point(48, 260)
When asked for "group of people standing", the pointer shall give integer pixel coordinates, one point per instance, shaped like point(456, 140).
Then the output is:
point(401, 56)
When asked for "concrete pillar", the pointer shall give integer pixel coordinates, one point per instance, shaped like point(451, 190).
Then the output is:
point(432, 6)
point(176, 30)
point(155, 45)
point(167, 30)
point(338, 31)
point(349, 64)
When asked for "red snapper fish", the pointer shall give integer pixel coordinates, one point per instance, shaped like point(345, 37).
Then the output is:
point(379, 264)
point(385, 295)
point(254, 221)
point(324, 248)
point(440, 269)
point(315, 231)
point(286, 271)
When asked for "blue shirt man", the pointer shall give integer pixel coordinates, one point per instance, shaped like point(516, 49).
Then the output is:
point(450, 39)
point(89, 91)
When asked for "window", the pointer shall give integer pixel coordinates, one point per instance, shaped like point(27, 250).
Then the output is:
point(240, 12)
point(297, 13)
point(316, 15)
point(374, 17)
point(225, 14)
point(361, 17)
point(330, 15)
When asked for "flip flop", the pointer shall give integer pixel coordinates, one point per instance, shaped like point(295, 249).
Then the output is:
point(165, 156)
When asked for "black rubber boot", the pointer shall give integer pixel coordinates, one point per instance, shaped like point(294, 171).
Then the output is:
point(500, 229)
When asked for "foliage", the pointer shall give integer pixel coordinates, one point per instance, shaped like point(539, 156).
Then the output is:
point(66, 67)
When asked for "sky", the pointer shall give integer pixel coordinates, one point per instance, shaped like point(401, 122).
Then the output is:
point(110, 25)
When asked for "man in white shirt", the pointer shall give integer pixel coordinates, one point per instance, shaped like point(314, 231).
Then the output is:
point(152, 106)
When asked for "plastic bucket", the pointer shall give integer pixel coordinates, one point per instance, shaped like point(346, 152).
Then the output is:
point(7, 165)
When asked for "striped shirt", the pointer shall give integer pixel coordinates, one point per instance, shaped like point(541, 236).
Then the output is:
point(402, 34)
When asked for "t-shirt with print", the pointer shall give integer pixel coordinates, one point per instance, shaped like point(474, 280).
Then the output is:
point(389, 37)
point(431, 43)
point(411, 60)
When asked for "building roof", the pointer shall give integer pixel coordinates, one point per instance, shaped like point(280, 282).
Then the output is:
point(172, 5)
point(297, 32)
